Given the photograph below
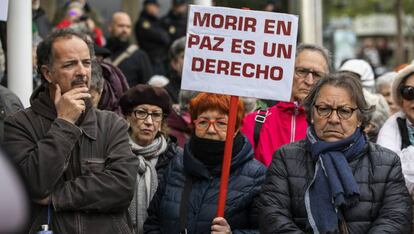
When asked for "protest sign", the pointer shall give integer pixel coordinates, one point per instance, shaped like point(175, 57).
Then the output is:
point(240, 52)
point(4, 6)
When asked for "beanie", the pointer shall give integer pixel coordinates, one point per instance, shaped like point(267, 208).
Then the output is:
point(145, 94)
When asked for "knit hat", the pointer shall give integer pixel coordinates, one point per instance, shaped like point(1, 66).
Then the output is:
point(145, 94)
point(403, 73)
point(363, 69)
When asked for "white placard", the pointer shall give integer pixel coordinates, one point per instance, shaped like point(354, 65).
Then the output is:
point(4, 6)
point(240, 52)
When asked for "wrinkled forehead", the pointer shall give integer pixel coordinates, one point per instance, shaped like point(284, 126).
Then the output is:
point(122, 19)
point(312, 59)
point(409, 81)
point(69, 45)
point(213, 113)
point(335, 93)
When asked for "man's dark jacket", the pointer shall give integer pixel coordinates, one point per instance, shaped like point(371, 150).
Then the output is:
point(88, 170)
point(384, 205)
point(175, 24)
point(9, 104)
point(246, 178)
point(136, 68)
point(152, 37)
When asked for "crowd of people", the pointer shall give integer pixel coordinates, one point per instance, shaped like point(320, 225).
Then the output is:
point(111, 144)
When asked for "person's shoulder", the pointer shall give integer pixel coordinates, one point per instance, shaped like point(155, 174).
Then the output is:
point(167, 19)
point(294, 146)
point(24, 114)
point(256, 167)
point(108, 117)
point(176, 164)
point(381, 155)
point(389, 132)
point(7, 95)
point(173, 149)
point(139, 53)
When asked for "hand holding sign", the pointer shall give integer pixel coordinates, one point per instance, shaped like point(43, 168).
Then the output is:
point(239, 53)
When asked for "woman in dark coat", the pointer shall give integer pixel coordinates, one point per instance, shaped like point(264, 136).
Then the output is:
point(335, 181)
point(198, 171)
point(145, 109)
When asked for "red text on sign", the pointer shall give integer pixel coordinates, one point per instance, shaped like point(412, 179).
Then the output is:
point(277, 50)
point(239, 46)
point(277, 27)
point(237, 69)
point(213, 43)
point(219, 21)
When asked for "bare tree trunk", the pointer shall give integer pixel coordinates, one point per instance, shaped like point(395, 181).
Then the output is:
point(399, 55)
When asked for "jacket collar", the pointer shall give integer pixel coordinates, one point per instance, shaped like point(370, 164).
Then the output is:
point(290, 106)
point(42, 105)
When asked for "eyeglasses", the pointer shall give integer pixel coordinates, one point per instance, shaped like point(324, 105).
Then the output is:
point(204, 123)
point(304, 72)
point(142, 114)
point(407, 92)
point(343, 112)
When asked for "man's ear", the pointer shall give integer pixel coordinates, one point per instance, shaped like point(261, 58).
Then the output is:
point(46, 73)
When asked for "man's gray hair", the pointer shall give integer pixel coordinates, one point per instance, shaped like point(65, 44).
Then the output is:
point(326, 54)
point(176, 48)
point(97, 80)
point(44, 49)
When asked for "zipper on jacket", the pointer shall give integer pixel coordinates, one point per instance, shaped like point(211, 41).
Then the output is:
point(293, 123)
point(78, 223)
point(210, 181)
point(92, 161)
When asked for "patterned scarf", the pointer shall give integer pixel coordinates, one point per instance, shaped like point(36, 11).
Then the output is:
point(333, 185)
point(147, 180)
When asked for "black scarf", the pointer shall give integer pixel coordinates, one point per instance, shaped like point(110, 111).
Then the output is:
point(210, 152)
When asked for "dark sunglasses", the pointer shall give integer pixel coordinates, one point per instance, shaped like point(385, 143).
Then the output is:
point(407, 92)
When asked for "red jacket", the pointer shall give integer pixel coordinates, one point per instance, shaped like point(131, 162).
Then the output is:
point(285, 123)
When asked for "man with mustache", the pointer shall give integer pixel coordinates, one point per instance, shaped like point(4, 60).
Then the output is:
point(129, 58)
point(76, 159)
point(285, 122)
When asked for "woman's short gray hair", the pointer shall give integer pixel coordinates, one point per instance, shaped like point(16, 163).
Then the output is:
point(349, 82)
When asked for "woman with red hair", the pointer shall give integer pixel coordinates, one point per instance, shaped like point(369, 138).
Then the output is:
point(186, 200)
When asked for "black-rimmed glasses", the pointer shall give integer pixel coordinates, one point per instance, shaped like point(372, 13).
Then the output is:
point(343, 112)
point(142, 114)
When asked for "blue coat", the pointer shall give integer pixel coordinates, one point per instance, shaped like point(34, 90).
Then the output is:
point(246, 178)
